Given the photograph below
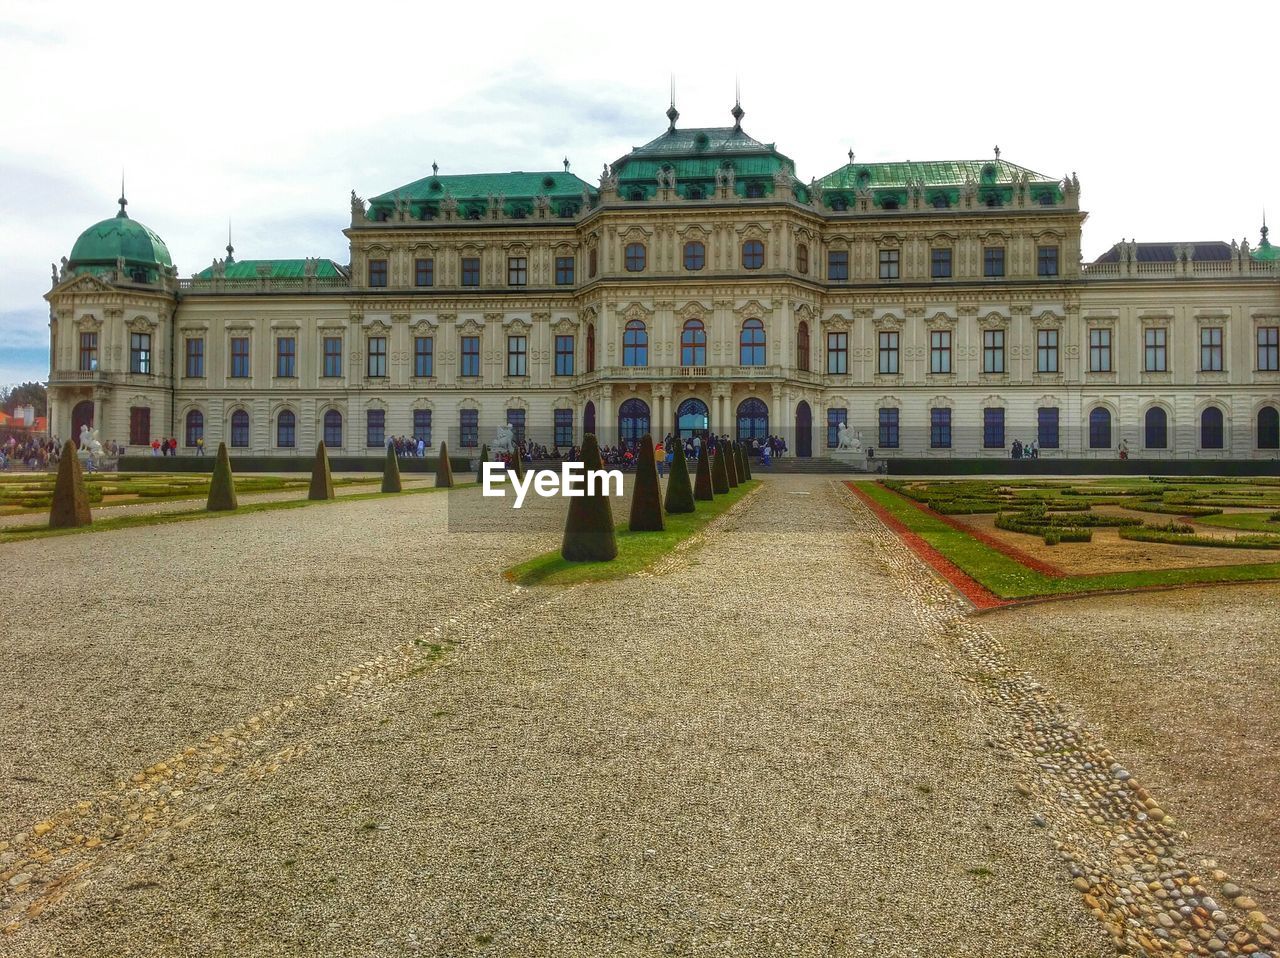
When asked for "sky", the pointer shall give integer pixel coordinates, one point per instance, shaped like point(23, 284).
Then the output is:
point(267, 115)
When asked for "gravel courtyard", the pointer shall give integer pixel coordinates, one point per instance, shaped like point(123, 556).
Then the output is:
point(338, 731)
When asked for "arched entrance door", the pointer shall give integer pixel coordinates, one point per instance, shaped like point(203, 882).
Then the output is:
point(804, 430)
point(589, 419)
point(692, 418)
point(753, 419)
point(81, 415)
point(633, 420)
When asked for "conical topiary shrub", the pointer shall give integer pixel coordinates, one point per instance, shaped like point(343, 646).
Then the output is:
point(321, 477)
point(70, 505)
point(391, 472)
point(679, 490)
point(444, 471)
point(588, 531)
point(646, 496)
point(222, 488)
point(746, 462)
point(703, 488)
point(517, 465)
point(719, 475)
point(731, 464)
point(484, 457)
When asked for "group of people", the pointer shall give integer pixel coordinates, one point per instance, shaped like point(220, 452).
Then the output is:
point(407, 447)
point(1021, 450)
point(159, 447)
point(27, 450)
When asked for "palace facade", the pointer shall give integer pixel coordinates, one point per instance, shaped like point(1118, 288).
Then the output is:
point(939, 308)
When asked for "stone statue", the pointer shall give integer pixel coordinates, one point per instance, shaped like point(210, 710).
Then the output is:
point(504, 441)
point(90, 451)
point(848, 439)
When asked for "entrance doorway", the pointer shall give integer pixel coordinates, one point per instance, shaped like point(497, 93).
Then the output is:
point(81, 415)
point(692, 418)
point(804, 430)
point(589, 419)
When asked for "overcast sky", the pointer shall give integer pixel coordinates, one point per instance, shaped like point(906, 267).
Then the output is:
point(269, 113)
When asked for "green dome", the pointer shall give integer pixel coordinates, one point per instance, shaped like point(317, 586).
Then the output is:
point(119, 237)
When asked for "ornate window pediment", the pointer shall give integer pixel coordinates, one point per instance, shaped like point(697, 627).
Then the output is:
point(888, 321)
point(375, 404)
point(941, 320)
point(941, 402)
point(889, 402)
point(470, 326)
point(752, 310)
point(141, 324)
point(752, 231)
point(565, 326)
point(889, 241)
point(693, 232)
point(994, 320)
point(1156, 316)
point(588, 314)
point(694, 310)
point(635, 234)
point(516, 324)
point(637, 311)
point(425, 326)
point(836, 321)
point(89, 323)
point(994, 401)
point(376, 327)
point(515, 402)
point(87, 283)
point(1048, 319)
point(804, 311)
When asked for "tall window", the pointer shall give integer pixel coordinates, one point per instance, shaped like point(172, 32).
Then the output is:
point(332, 356)
point(333, 429)
point(88, 352)
point(993, 427)
point(1157, 428)
point(940, 263)
point(515, 419)
point(564, 355)
point(563, 428)
point(693, 344)
point(889, 340)
point(140, 353)
point(593, 261)
point(635, 256)
point(1099, 428)
point(424, 356)
point(1211, 428)
point(889, 428)
point(993, 350)
point(1269, 428)
point(470, 356)
point(1047, 351)
point(752, 254)
point(837, 353)
point(993, 261)
point(1047, 427)
point(591, 347)
point(517, 271)
point(286, 429)
point(751, 344)
point(377, 356)
point(286, 357)
point(195, 357)
point(939, 428)
point(835, 419)
point(753, 419)
point(471, 271)
point(564, 270)
point(838, 265)
point(1046, 261)
point(802, 258)
point(468, 428)
point(1211, 349)
point(240, 429)
point(695, 255)
point(802, 346)
point(1268, 348)
point(195, 427)
point(375, 427)
point(424, 272)
point(517, 356)
point(239, 357)
point(889, 261)
point(139, 425)
point(1156, 340)
point(635, 344)
point(1100, 350)
point(377, 272)
point(940, 351)
point(422, 426)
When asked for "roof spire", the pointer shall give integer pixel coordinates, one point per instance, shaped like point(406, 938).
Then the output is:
point(672, 113)
point(435, 168)
point(566, 164)
point(737, 112)
point(123, 202)
point(231, 250)
point(850, 156)
point(997, 152)
point(1264, 227)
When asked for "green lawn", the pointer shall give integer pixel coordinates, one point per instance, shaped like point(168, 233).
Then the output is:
point(636, 550)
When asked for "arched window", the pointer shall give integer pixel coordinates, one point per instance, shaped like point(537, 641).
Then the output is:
point(693, 344)
point(286, 425)
point(802, 258)
point(591, 347)
point(195, 427)
point(635, 344)
point(753, 419)
point(1157, 429)
point(635, 257)
point(695, 255)
point(752, 254)
point(240, 429)
point(1211, 428)
point(1100, 428)
point(333, 429)
point(633, 420)
point(802, 346)
point(751, 344)
point(1268, 428)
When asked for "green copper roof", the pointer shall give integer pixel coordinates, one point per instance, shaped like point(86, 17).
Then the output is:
point(704, 141)
point(695, 156)
point(852, 176)
point(472, 192)
point(119, 237)
point(277, 269)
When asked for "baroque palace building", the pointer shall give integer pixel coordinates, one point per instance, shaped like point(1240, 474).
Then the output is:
point(939, 308)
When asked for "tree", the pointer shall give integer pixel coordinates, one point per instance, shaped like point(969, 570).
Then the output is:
point(222, 487)
point(321, 477)
point(391, 472)
point(70, 505)
point(703, 488)
point(444, 471)
point(679, 491)
point(33, 394)
point(646, 495)
point(719, 475)
point(588, 530)
point(731, 464)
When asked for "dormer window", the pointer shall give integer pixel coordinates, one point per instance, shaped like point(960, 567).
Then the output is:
point(637, 193)
point(755, 190)
point(941, 202)
point(694, 193)
point(839, 204)
point(889, 203)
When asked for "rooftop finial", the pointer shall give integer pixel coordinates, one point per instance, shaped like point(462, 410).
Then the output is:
point(231, 250)
point(672, 113)
point(566, 164)
point(738, 112)
point(435, 168)
point(997, 152)
point(1264, 228)
point(123, 202)
point(851, 155)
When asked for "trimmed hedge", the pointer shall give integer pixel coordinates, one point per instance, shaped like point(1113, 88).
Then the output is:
point(222, 488)
point(679, 491)
point(646, 495)
point(588, 529)
point(1148, 534)
point(444, 469)
point(391, 472)
point(321, 476)
point(703, 488)
point(69, 506)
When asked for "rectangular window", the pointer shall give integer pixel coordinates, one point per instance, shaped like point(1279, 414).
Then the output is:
point(140, 425)
point(837, 353)
point(1047, 427)
point(993, 261)
point(835, 418)
point(993, 350)
point(375, 428)
point(286, 357)
point(377, 356)
point(88, 352)
point(332, 356)
point(940, 263)
point(469, 428)
point(195, 357)
point(564, 428)
point(1211, 349)
point(424, 356)
point(1046, 261)
point(939, 428)
point(517, 271)
point(1156, 340)
point(470, 271)
point(140, 353)
point(1268, 348)
point(940, 351)
point(889, 353)
point(1099, 350)
point(1047, 351)
point(470, 356)
point(239, 357)
point(993, 427)
point(515, 419)
point(889, 428)
point(889, 261)
point(517, 356)
point(422, 425)
point(838, 265)
point(424, 272)
point(564, 270)
point(564, 355)
point(377, 272)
